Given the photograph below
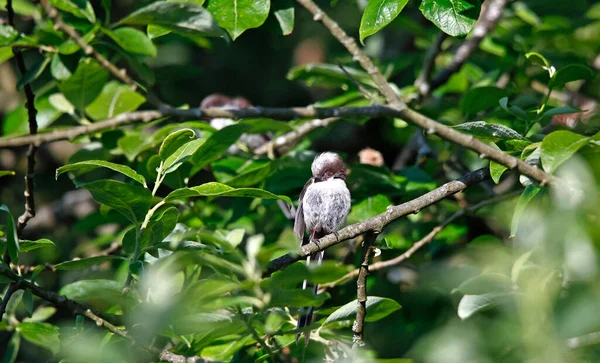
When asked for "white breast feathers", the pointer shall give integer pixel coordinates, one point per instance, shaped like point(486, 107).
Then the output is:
point(326, 205)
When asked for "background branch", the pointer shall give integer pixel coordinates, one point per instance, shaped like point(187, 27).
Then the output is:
point(378, 223)
point(422, 81)
point(491, 13)
point(33, 127)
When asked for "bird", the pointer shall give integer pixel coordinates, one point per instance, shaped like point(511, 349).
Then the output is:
point(323, 206)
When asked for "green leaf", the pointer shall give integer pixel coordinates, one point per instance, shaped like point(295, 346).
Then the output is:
point(6, 172)
point(480, 99)
point(369, 207)
point(132, 41)
point(28, 302)
point(59, 102)
point(472, 304)
point(186, 18)
point(214, 189)
point(489, 132)
point(6, 53)
point(41, 314)
point(264, 125)
point(327, 75)
point(537, 59)
point(377, 308)
point(23, 7)
point(296, 298)
point(517, 267)
point(485, 283)
point(240, 15)
point(41, 334)
point(453, 17)
point(28, 246)
point(182, 154)
point(115, 98)
point(159, 228)
point(11, 236)
point(378, 14)
point(12, 350)
point(88, 165)
point(85, 262)
point(496, 171)
point(131, 201)
point(79, 8)
point(16, 122)
point(284, 13)
point(59, 70)
point(528, 194)
point(85, 84)
point(513, 110)
point(570, 73)
point(251, 177)
point(34, 72)
point(7, 35)
point(174, 141)
point(107, 291)
point(558, 146)
point(206, 289)
point(561, 111)
point(217, 144)
point(155, 31)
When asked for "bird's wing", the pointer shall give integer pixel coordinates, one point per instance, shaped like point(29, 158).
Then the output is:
point(299, 225)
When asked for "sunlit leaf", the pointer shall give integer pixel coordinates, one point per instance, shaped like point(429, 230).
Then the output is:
point(377, 308)
point(240, 15)
point(28, 246)
point(558, 146)
point(378, 14)
point(489, 132)
point(214, 189)
point(528, 194)
point(41, 334)
point(132, 41)
point(88, 165)
point(453, 17)
point(11, 234)
point(115, 99)
point(85, 84)
point(131, 201)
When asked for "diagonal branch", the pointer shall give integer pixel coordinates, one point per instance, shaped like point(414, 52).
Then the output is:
point(417, 119)
point(485, 24)
point(425, 240)
point(378, 223)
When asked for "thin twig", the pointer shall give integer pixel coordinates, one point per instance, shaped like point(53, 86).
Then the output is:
point(422, 81)
point(255, 335)
point(378, 223)
point(33, 127)
point(360, 87)
point(486, 23)
point(425, 240)
point(417, 119)
point(361, 292)
point(10, 290)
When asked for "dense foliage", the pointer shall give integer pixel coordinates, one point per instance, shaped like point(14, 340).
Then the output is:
point(164, 223)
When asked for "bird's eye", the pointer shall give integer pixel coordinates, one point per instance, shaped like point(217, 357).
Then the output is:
point(338, 177)
point(317, 180)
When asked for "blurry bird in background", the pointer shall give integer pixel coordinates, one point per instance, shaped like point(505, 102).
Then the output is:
point(323, 207)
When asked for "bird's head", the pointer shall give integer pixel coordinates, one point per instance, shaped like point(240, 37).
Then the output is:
point(328, 165)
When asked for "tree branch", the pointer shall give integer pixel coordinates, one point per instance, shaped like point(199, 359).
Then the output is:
point(361, 292)
point(378, 223)
point(80, 309)
point(422, 81)
point(485, 24)
point(417, 119)
point(425, 240)
point(33, 127)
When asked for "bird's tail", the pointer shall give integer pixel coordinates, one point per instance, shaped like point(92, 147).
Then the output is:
point(306, 313)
